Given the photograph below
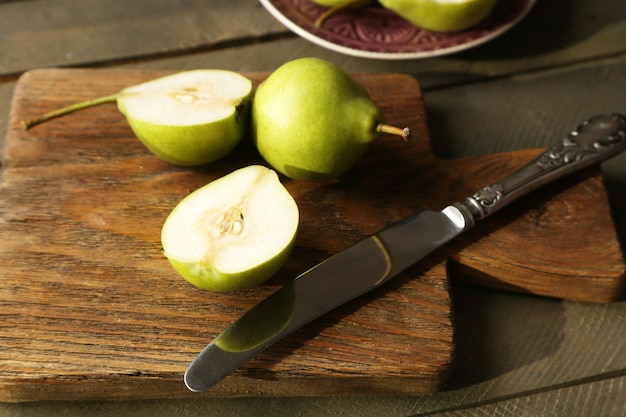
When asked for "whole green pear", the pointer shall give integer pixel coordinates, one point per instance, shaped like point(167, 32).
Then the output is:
point(312, 121)
point(441, 15)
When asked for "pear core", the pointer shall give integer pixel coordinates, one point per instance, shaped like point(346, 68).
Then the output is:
point(234, 232)
point(187, 98)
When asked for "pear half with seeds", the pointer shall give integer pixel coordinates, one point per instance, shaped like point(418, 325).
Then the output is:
point(188, 118)
point(233, 233)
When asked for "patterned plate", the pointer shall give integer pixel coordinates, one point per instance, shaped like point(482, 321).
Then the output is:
point(374, 32)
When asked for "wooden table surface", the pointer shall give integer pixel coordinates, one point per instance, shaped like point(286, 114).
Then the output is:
point(517, 355)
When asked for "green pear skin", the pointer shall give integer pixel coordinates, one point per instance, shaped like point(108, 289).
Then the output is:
point(233, 233)
point(207, 278)
point(189, 118)
point(312, 121)
point(190, 145)
point(441, 15)
point(328, 3)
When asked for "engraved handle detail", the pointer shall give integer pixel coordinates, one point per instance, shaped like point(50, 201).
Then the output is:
point(594, 141)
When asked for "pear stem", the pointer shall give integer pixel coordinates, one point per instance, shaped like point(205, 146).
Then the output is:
point(346, 4)
point(404, 133)
point(27, 124)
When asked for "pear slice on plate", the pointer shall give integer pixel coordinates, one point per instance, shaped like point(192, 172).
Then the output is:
point(187, 118)
point(441, 15)
point(233, 233)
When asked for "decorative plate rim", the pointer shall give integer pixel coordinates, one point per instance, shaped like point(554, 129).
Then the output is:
point(303, 32)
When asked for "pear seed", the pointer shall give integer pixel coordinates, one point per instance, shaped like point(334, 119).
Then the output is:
point(232, 222)
point(185, 98)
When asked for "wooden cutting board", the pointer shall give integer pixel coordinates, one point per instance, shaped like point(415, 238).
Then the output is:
point(92, 310)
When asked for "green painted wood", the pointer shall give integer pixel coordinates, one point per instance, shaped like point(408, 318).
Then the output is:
point(563, 46)
point(45, 33)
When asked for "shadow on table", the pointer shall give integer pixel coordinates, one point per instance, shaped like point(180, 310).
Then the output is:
point(615, 181)
point(498, 332)
point(550, 26)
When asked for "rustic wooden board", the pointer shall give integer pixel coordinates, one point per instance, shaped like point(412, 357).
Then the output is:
point(92, 310)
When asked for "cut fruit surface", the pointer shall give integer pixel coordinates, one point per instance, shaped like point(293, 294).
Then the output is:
point(189, 118)
point(234, 232)
point(186, 98)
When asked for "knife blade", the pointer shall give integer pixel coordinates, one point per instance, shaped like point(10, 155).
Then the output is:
point(383, 255)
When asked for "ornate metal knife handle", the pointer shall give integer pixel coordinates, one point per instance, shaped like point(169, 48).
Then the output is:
point(594, 141)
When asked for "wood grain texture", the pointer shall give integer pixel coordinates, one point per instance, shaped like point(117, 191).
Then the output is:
point(91, 309)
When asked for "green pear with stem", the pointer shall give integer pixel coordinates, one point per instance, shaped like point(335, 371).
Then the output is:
point(233, 233)
point(312, 121)
point(442, 15)
point(187, 118)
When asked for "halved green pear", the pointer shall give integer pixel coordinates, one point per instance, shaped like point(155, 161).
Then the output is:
point(442, 15)
point(189, 118)
point(233, 233)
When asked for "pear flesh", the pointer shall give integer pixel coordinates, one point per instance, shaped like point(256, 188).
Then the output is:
point(312, 121)
point(442, 15)
point(188, 118)
point(233, 233)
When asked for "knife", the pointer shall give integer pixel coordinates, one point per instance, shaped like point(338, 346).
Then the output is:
point(378, 258)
